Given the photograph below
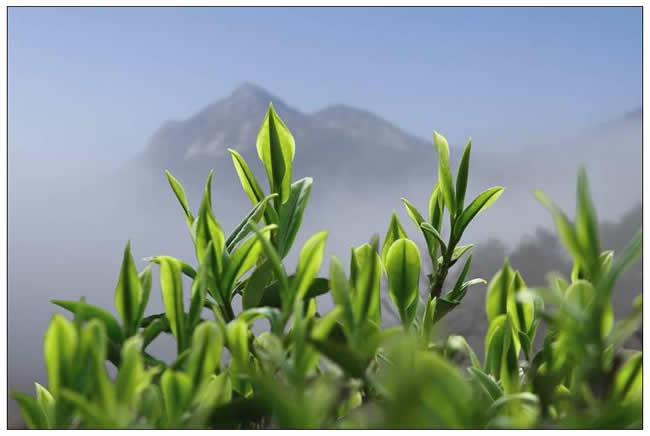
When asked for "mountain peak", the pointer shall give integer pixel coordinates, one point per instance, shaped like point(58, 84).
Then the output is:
point(250, 91)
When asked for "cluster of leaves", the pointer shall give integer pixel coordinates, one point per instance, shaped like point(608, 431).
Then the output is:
point(342, 369)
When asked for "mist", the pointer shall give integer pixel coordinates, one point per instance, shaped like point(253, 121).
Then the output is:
point(69, 221)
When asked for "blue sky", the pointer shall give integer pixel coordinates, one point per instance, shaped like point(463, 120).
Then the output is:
point(94, 83)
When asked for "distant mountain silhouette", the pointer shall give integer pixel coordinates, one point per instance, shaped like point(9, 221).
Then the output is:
point(353, 151)
point(334, 143)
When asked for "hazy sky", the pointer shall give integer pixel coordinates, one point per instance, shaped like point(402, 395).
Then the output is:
point(94, 83)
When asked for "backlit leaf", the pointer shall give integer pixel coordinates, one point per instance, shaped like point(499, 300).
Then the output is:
point(276, 149)
point(309, 263)
point(93, 312)
point(171, 287)
point(291, 214)
point(444, 172)
point(403, 271)
point(204, 359)
point(479, 204)
point(462, 175)
point(128, 292)
point(395, 231)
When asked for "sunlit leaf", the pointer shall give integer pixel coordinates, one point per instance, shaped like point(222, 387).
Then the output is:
point(93, 312)
point(444, 172)
point(403, 271)
point(207, 344)
point(309, 263)
point(31, 411)
point(291, 214)
point(182, 199)
point(171, 287)
point(462, 175)
point(276, 149)
point(242, 230)
point(128, 292)
point(242, 259)
point(416, 217)
point(176, 388)
point(479, 204)
point(395, 231)
point(59, 348)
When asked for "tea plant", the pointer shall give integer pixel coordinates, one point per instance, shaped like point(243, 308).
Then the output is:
point(341, 369)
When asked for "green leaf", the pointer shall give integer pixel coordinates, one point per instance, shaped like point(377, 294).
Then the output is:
point(459, 343)
point(185, 268)
point(444, 172)
point(630, 255)
point(276, 149)
point(131, 378)
point(436, 207)
point(428, 228)
point(309, 263)
point(253, 217)
point(128, 293)
point(326, 323)
point(525, 311)
point(237, 340)
point(176, 388)
point(403, 271)
point(271, 313)
point(499, 291)
point(487, 381)
point(204, 359)
point(479, 204)
point(272, 297)
point(88, 312)
point(31, 411)
point(146, 279)
point(150, 404)
point(216, 392)
point(628, 382)
point(153, 330)
point(242, 259)
point(606, 259)
point(458, 295)
point(348, 359)
point(582, 294)
point(89, 363)
point(200, 288)
point(395, 231)
point(526, 397)
point(291, 214)
point(564, 227)
point(59, 348)
point(455, 292)
point(462, 176)
point(427, 320)
point(182, 199)
point(252, 187)
point(276, 263)
point(47, 403)
point(627, 326)
point(417, 218)
point(365, 276)
point(207, 228)
point(247, 178)
point(443, 307)
point(586, 222)
point(92, 415)
point(457, 253)
point(256, 285)
point(501, 355)
point(342, 295)
point(171, 287)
